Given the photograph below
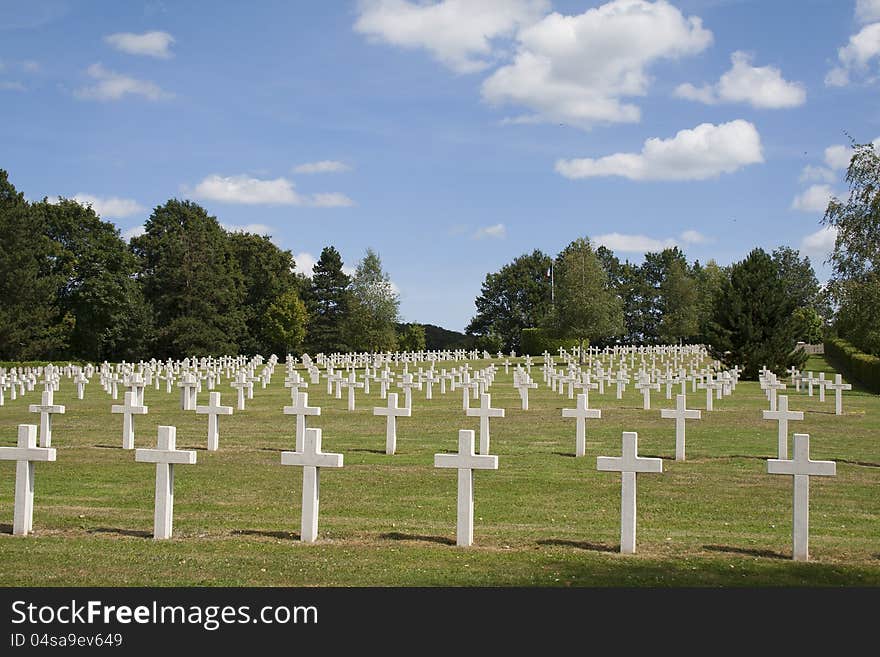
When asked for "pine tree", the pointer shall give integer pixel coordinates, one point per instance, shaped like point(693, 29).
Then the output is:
point(330, 305)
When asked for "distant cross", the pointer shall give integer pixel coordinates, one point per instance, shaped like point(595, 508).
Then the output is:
point(782, 415)
point(581, 412)
point(312, 459)
point(585, 385)
point(646, 387)
point(838, 387)
point(295, 382)
point(392, 412)
point(628, 465)
point(621, 382)
point(822, 383)
point(680, 413)
point(46, 409)
point(129, 408)
point(430, 380)
point(240, 384)
point(165, 456)
point(213, 410)
point(408, 384)
point(26, 454)
point(523, 384)
point(80, 380)
point(188, 393)
point(773, 388)
point(811, 381)
point(352, 384)
point(465, 462)
point(301, 410)
point(802, 468)
point(484, 412)
point(135, 382)
point(384, 381)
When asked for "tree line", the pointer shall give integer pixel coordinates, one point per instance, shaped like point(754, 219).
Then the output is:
point(72, 288)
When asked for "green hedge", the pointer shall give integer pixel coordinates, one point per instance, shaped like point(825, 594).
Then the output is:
point(535, 341)
point(857, 365)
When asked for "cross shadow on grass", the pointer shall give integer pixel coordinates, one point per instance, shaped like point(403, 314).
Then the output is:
point(398, 536)
point(568, 454)
point(5, 529)
point(581, 545)
point(285, 536)
point(748, 552)
point(367, 450)
point(121, 532)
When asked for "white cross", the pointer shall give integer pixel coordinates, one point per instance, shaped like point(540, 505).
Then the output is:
point(646, 387)
point(430, 380)
point(46, 410)
point(523, 384)
point(802, 468)
point(188, 392)
point(165, 456)
point(582, 412)
point(301, 409)
point(80, 380)
point(407, 384)
point(621, 381)
point(628, 465)
point(135, 382)
point(213, 410)
point(838, 387)
point(312, 459)
point(26, 453)
point(484, 412)
point(822, 383)
point(680, 413)
point(811, 381)
point(773, 388)
point(783, 415)
point(465, 462)
point(384, 381)
point(128, 408)
point(295, 382)
point(240, 384)
point(392, 412)
point(351, 383)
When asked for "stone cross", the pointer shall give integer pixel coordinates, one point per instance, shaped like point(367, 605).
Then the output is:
point(430, 380)
point(581, 412)
point(384, 381)
point(312, 459)
point(773, 388)
point(46, 410)
point(80, 380)
point(523, 385)
point(465, 462)
point(213, 410)
point(646, 387)
point(25, 454)
point(392, 412)
point(188, 392)
point(802, 468)
point(129, 408)
point(679, 414)
point(408, 384)
point(822, 383)
point(838, 387)
point(165, 456)
point(301, 409)
point(628, 465)
point(484, 412)
point(240, 384)
point(783, 415)
point(351, 383)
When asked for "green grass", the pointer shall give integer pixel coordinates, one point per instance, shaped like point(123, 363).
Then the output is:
point(544, 518)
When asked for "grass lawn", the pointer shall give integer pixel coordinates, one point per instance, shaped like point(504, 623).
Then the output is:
point(544, 518)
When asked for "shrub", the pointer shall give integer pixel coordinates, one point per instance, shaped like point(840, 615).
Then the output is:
point(858, 366)
point(535, 341)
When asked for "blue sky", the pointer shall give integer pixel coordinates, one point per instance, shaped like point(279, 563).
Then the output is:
point(448, 136)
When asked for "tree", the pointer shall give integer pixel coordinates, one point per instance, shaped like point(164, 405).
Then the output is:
point(192, 280)
point(412, 337)
point(284, 322)
point(799, 278)
point(375, 307)
point(855, 286)
point(95, 272)
point(31, 323)
point(329, 305)
point(266, 275)
point(752, 324)
point(679, 317)
point(586, 308)
point(513, 298)
point(807, 325)
point(710, 279)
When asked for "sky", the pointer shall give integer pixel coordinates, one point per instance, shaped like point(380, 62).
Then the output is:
point(450, 136)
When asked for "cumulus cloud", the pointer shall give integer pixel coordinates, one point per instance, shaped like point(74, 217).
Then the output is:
point(762, 87)
point(855, 56)
point(814, 199)
point(868, 11)
point(114, 86)
point(329, 200)
point(703, 152)
point(130, 233)
point(694, 237)
point(151, 44)
point(578, 69)
point(246, 190)
point(324, 166)
point(458, 33)
point(305, 263)
point(820, 243)
point(496, 231)
point(110, 207)
point(812, 173)
point(256, 229)
point(838, 156)
point(633, 243)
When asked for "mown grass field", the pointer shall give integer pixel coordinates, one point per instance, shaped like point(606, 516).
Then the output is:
point(544, 518)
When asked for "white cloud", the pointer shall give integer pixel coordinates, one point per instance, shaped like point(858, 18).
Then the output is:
point(578, 69)
point(868, 11)
point(458, 33)
point(820, 243)
point(305, 263)
point(633, 243)
point(11, 86)
point(330, 200)
point(256, 229)
point(855, 55)
point(114, 86)
point(814, 199)
point(838, 156)
point(324, 166)
point(135, 231)
point(759, 86)
point(111, 207)
point(496, 231)
point(812, 173)
point(703, 152)
point(694, 237)
point(152, 44)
